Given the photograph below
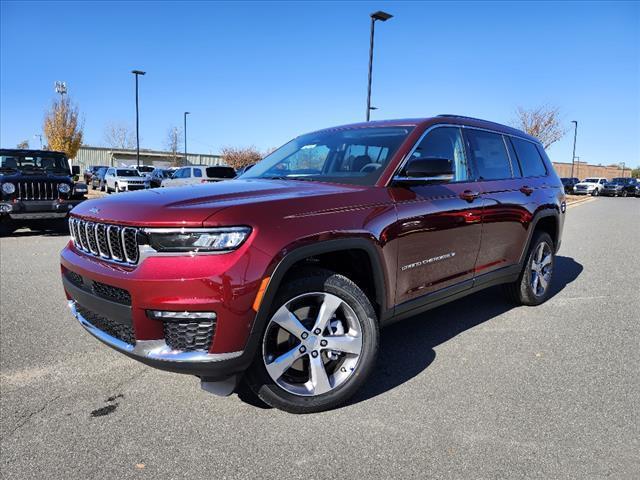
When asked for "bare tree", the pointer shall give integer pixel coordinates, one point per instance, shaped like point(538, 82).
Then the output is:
point(541, 122)
point(241, 157)
point(63, 128)
point(24, 145)
point(119, 135)
point(175, 137)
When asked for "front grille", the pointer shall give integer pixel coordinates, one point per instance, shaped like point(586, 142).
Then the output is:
point(74, 278)
point(110, 242)
point(109, 292)
point(36, 190)
point(115, 329)
point(189, 336)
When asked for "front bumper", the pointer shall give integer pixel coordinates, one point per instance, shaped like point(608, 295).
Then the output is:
point(24, 210)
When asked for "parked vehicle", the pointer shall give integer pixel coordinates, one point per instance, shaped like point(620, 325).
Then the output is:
point(79, 191)
point(246, 168)
point(637, 187)
point(97, 180)
point(91, 171)
point(283, 277)
point(193, 175)
point(124, 180)
point(35, 186)
point(158, 175)
point(620, 187)
point(569, 184)
point(590, 186)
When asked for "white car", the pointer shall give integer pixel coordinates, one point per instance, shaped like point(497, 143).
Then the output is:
point(124, 179)
point(198, 174)
point(590, 186)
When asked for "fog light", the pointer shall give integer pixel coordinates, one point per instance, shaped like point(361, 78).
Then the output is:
point(5, 207)
point(170, 315)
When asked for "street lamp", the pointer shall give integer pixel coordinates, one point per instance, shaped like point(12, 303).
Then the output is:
point(61, 88)
point(575, 135)
point(185, 136)
point(136, 73)
point(383, 17)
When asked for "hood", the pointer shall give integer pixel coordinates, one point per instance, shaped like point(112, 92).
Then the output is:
point(34, 177)
point(191, 205)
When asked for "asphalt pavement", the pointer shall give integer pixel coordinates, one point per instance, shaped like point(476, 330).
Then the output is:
point(474, 389)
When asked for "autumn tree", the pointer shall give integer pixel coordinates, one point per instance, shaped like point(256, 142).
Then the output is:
point(23, 145)
point(241, 157)
point(175, 138)
point(63, 128)
point(119, 135)
point(541, 122)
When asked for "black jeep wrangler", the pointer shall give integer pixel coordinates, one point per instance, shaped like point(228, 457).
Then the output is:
point(36, 189)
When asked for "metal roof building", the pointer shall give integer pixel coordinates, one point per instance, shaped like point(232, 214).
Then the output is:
point(114, 157)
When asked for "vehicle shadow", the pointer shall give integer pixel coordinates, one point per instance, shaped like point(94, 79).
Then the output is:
point(407, 347)
point(39, 232)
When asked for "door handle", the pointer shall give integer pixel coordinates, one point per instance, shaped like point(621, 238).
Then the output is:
point(526, 190)
point(469, 196)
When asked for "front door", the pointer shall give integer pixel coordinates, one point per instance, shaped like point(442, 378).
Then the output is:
point(439, 225)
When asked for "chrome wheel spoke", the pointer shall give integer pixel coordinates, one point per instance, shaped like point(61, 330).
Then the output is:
point(288, 321)
point(539, 253)
point(318, 376)
point(330, 304)
point(535, 282)
point(281, 364)
point(344, 343)
point(546, 261)
point(544, 281)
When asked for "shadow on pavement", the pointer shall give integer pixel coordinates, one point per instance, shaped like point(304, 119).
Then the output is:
point(407, 347)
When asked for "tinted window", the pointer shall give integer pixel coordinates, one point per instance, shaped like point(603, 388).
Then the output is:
point(444, 142)
point(529, 158)
point(197, 172)
point(221, 172)
point(490, 155)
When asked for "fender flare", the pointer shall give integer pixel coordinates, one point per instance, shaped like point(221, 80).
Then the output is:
point(548, 212)
point(305, 251)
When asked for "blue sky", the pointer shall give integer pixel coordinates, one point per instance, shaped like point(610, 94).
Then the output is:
point(261, 73)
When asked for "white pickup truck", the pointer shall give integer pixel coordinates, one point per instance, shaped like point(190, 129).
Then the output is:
point(590, 186)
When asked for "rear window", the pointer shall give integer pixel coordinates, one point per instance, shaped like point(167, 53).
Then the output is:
point(490, 155)
point(529, 157)
point(221, 172)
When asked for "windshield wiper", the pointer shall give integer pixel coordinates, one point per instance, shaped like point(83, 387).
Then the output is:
point(287, 177)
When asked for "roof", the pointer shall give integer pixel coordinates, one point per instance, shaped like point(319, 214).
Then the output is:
point(445, 118)
point(23, 151)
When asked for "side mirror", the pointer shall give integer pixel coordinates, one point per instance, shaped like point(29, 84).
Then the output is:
point(425, 170)
point(75, 170)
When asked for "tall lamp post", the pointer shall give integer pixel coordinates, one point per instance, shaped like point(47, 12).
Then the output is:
point(137, 73)
point(185, 136)
point(383, 17)
point(575, 135)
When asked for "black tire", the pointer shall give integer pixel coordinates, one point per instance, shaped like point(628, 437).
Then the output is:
point(521, 292)
point(624, 193)
point(93, 186)
point(7, 226)
point(319, 280)
point(595, 193)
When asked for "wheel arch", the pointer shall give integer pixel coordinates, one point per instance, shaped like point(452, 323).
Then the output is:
point(547, 220)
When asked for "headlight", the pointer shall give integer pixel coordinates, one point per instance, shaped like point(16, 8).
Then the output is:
point(8, 188)
point(197, 239)
point(64, 188)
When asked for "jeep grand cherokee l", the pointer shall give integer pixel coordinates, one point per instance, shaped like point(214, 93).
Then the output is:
point(283, 277)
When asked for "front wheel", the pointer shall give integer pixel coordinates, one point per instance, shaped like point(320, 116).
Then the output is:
point(533, 287)
point(595, 193)
point(319, 345)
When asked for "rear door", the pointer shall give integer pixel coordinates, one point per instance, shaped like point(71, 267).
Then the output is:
point(510, 197)
point(439, 225)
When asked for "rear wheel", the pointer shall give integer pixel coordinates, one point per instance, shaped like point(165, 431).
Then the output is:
point(533, 287)
point(319, 344)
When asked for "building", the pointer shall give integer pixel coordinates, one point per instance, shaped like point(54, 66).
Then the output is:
point(114, 157)
point(583, 170)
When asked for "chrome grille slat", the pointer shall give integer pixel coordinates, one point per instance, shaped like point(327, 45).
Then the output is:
point(109, 242)
point(37, 190)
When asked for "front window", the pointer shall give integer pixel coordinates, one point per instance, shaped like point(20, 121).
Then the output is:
point(129, 172)
point(590, 180)
point(42, 163)
point(356, 156)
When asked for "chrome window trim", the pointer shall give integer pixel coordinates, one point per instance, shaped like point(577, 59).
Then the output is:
point(196, 230)
point(460, 126)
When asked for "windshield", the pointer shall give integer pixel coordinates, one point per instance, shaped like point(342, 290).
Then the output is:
point(44, 163)
point(619, 181)
point(127, 173)
point(590, 180)
point(145, 169)
point(356, 156)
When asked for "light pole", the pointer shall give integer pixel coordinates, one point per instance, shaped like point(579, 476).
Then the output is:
point(383, 17)
point(623, 167)
point(136, 73)
point(39, 135)
point(61, 88)
point(185, 136)
point(575, 135)
point(578, 170)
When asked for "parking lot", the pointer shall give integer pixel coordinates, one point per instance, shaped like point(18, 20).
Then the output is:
point(472, 389)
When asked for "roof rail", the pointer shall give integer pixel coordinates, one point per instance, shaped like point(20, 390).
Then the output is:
point(462, 116)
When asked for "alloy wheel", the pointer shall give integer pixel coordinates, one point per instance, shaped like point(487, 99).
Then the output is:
point(541, 269)
point(312, 344)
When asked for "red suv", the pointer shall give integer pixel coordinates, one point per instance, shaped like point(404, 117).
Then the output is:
point(283, 277)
